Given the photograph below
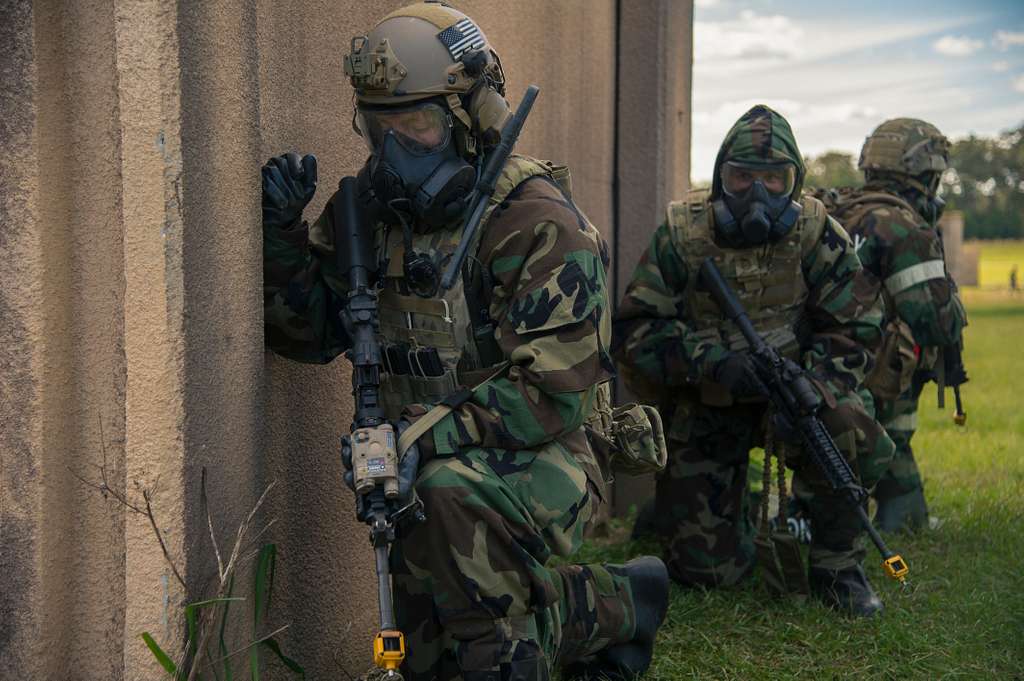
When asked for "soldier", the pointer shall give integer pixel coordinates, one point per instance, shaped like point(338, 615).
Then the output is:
point(892, 221)
point(516, 350)
point(795, 271)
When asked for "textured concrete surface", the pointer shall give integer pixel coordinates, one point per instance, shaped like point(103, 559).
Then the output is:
point(131, 135)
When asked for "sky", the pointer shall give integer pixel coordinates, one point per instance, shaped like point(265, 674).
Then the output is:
point(836, 70)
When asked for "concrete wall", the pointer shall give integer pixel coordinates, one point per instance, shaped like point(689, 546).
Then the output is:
point(131, 135)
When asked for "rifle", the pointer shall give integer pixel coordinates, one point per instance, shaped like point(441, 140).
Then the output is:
point(485, 187)
point(796, 405)
point(951, 372)
point(373, 440)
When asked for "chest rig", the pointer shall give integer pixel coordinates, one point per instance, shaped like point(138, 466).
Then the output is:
point(768, 280)
point(436, 346)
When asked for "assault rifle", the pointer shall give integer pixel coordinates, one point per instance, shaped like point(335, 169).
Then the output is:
point(796, 405)
point(373, 440)
point(485, 186)
point(951, 372)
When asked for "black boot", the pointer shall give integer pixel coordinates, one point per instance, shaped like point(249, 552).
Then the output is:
point(902, 513)
point(648, 580)
point(847, 591)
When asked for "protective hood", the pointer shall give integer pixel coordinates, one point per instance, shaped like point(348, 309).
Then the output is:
point(760, 136)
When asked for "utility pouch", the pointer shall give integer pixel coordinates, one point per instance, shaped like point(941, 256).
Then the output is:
point(895, 362)
point(629, 439)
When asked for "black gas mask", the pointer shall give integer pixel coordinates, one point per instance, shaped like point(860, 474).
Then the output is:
point(414, 167)
point(755, 207)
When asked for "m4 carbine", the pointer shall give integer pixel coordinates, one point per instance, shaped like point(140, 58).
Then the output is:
point(796, 404)
point(373, 440)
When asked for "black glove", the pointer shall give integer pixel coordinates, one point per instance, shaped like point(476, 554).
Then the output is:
point(736, 372)
point(288, 185)
point(408, 469)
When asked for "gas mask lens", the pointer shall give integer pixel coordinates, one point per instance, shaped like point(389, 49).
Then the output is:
point(420, 129)
point(738, 178)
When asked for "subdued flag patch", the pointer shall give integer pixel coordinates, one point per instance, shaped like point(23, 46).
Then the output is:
point(461, 38)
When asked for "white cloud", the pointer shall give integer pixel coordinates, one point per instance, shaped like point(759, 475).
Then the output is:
point(749, 37)
point(704, 4)
point(1018, 83)
point(954, 46)
point(1001, 66)
point(1004, 40)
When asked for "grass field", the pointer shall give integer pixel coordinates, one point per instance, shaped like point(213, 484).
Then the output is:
point(963, 617)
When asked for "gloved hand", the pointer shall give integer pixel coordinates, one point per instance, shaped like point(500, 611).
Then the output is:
point(408, 469)
point(288, 185)
point(736, 372)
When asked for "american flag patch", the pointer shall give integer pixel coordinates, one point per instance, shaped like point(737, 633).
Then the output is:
point(461, 38)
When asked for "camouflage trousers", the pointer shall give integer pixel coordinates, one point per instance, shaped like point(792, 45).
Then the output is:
point(899, 418)
point(473, 590)
point(702, 500)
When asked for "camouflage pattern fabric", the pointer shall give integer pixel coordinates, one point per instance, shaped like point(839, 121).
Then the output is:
point(904, 257)
point(701, 497)
point(509, 478)
point(472, 589)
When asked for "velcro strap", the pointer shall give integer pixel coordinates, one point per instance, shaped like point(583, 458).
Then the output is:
point(915, 274)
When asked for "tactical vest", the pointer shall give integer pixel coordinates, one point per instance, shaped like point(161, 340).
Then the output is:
point(768, 280)
point(436, 346)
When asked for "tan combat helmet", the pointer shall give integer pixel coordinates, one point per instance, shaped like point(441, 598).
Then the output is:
point(909, 148)
point(430, 50)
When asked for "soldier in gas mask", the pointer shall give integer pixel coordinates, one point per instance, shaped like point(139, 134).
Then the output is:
point(795, 271)
point(893, 220)
point(515, 353)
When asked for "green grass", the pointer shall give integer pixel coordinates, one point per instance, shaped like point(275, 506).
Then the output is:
point(997, 257)
point(963, 617)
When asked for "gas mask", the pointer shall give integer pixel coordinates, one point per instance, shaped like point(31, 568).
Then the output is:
point(755, 207)
point(414, 167)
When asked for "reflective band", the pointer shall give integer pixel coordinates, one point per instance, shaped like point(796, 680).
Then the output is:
point(903, 423)
point(915, 274)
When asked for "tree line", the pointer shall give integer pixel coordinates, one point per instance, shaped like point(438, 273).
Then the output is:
point(985, 182)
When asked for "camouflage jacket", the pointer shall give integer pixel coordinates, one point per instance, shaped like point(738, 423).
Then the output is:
point(548, 301)
point(655, 337)
point(904, 256)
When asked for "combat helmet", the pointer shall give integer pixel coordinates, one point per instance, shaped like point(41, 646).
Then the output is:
point(430, 50)
point(907, 150)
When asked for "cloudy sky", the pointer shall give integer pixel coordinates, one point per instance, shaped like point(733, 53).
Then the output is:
point(837, 69)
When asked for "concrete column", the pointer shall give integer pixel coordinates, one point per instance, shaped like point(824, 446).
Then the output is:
point(655, 66)
point(131, 135)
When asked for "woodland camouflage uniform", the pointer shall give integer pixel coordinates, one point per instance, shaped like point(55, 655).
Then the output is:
point(902, 251)
point(808, 296)
point(508, 479)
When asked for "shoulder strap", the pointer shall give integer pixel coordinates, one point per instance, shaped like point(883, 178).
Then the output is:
point(439, 411)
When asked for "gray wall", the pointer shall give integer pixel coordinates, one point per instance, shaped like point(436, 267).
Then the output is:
point(131, 135)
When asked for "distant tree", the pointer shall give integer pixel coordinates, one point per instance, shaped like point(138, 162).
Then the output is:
point(986, 182)
point(832, 169)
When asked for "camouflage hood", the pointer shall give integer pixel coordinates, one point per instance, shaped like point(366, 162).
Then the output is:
point(760, 136)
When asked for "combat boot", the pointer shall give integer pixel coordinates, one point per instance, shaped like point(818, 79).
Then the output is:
point(648, 581)
point(905, 512)
point(847, 590)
